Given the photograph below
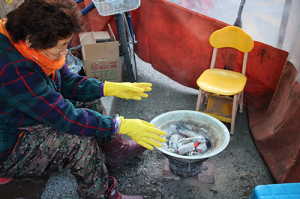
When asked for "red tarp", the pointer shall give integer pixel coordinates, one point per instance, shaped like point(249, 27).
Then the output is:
point(176, 43)
point(275, 128)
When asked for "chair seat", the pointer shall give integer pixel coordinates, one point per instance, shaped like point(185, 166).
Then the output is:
point(223, 82)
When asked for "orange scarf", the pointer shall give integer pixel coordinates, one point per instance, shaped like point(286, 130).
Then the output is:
point(46, 64)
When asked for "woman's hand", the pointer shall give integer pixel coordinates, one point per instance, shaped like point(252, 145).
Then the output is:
point(126, 90)
point(142, 132)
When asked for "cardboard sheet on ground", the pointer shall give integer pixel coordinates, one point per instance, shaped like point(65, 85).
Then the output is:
point(175, 41)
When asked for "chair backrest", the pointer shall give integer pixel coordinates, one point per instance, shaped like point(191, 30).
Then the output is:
point(233, 37)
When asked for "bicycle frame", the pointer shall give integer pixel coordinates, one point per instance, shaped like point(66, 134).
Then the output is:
point(128, 15)
point(91, 7)
point(129, 38)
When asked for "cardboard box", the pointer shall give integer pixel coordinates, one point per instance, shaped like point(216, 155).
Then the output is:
point(101, 60)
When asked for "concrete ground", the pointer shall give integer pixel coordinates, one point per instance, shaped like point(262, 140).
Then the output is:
point(237, 170)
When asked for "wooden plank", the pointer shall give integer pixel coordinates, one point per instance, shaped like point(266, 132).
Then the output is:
point(284, 23)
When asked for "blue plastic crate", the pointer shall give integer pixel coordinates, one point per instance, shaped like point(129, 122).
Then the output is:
point(277, 191)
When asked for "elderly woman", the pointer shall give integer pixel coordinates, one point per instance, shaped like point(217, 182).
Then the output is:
point(41, 130)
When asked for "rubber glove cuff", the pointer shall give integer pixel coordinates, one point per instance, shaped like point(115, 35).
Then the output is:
point(101, 90)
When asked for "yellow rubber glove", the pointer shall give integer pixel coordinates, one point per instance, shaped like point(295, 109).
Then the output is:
point(126, 90)
point(141, 132)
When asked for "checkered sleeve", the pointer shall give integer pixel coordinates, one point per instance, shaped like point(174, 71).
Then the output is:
point(78, 88)
point(28, 91)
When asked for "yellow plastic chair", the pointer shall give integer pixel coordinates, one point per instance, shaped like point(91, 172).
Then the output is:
point(218, 85)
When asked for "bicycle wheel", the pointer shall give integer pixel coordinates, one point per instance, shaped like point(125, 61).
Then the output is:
point(127, 47)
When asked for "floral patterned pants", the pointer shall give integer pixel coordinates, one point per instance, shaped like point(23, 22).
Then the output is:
point(43, 150)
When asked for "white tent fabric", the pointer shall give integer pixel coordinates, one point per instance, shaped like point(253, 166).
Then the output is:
point(273, 22)
point(295, 50)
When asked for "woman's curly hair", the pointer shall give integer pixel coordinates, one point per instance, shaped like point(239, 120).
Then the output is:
point(44, 22)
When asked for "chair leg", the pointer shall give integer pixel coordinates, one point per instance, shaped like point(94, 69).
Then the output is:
point(206, 98)
point(233, 114)
point(241, 101)
point(201, 95)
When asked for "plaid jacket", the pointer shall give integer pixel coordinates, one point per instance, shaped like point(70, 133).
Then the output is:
point(29, 97)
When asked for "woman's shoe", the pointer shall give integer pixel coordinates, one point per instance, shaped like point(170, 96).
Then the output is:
point(119, 149)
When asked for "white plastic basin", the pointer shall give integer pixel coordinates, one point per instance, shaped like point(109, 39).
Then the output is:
point(217, 130)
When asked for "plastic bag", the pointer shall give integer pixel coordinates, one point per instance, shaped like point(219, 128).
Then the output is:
point(73, 62)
